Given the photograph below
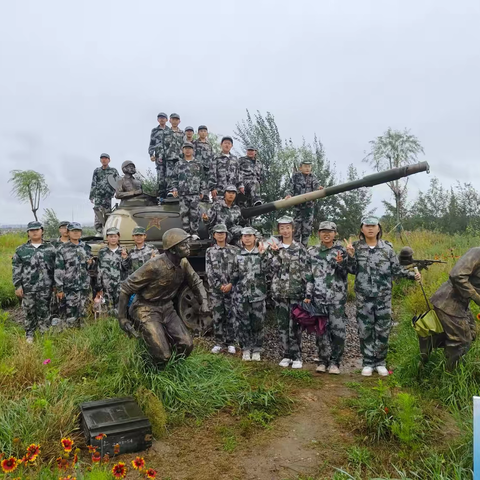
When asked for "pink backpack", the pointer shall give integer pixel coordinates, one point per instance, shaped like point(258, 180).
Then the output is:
point(310, 322)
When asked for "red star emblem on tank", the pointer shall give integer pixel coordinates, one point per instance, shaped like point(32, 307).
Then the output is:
point(155, 222)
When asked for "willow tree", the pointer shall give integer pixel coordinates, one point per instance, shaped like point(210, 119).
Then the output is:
point(29, 187)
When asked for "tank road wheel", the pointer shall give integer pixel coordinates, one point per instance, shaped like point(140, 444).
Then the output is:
point(188, 310)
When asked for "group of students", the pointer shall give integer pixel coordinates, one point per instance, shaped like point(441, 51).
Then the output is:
point(241, 279)
point(54, 279)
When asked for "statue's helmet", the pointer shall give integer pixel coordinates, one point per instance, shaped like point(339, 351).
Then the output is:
point(173, 237)
point(406, 255)
point(125, 164)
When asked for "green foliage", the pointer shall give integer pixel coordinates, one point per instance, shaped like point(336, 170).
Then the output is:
point(8, 243)
point(149, 182)
point(50, 224)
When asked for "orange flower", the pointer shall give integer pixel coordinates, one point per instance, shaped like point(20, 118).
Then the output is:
point(69, 477)
point(119, 470)
point(106, 458)
point(75, 460)
point(96, 457)
point(62, 463)
point(116, 449)
point(24, 460)
point(67, 444)
point(138, 463)
point(478, 316)
point(100, 436)
point(151, 473)
point(92, 449)
point(9, 464)
point(32, 452)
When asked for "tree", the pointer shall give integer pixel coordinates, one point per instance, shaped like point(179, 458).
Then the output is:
point(50, 223)
point(29, 187)
point(392, 150)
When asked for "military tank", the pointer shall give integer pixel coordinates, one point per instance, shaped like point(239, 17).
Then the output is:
point(144, 211)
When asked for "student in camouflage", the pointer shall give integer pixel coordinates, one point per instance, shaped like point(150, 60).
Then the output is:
point(375, 265)
point(224, 211)
point(174, 140)
point(63, 234)
point(156, 150)
point(111, 270)
point(220, 269)
point(32, 269)
point(250, 291)
point(189, 133)
point(57, 308)
point(141, 253)
point(224, 171)
point(188, 184)
point(327, 274)
point(204, 153)
point(72, 280)
point(101, 192)
point(301, 182)
point(287, 262)
point(251, 172)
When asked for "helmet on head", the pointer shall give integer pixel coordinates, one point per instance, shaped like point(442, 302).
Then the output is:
point(126, 163)
point(405, 256)
point(173, 237)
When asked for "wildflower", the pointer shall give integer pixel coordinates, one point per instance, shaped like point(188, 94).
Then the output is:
point(119, 470)
point(390, 372)
point(106, 458)
point(138, 463)
point(69, 477)
point(96, 457)
point(16, 440)
point(478, 316)
point(62, 463)
point(92, 449)
point(24, 460)
point(67, 444)
point(100, 436)
point(9, 464)
point(151, 473)
point(75, 460)
point(116, 449)
point(386, 409)
point(47, 361)
point(32, 452)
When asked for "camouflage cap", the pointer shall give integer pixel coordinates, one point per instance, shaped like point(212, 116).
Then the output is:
point(248, 231)
point(187, 145)
point(220, 228)
point(74, 226)
point(126, 163)
point(104, 155)
point(189, 128)
point(251, 147)
point(227, 138)
point(327, 226)
point(34, 226)
point(113, 231)
point(202, 127)
point(175, 115)
point(63, 223)
point(139, 231)
point(162, 114)
point(371, 220)
point(306, 162)
point(285, 219)
point(231, 188)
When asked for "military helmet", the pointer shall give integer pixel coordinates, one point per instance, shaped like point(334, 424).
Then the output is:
point(173, 237)
point(34, 226)
point(406, 255)
point(220, 228)
point(126, 163)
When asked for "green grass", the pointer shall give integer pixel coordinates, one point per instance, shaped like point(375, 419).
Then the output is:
point(8, 243)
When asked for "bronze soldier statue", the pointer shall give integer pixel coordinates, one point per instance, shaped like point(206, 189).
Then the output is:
point(451, 303)
point(128, 186)
point(155, 285)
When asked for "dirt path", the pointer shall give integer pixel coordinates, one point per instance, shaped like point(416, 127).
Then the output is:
point(308, 442)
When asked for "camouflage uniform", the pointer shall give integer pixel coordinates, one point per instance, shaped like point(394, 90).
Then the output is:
point(203, 151)
point(286, 278)
point(303, 214)
point(111, 272)
point(249, 298)
point(188, 180)
point(219, 268)
point(229, 216)
point(32, 269)
point(157, 148)
point(375, 269)
point(327, 288)
point(252, 174)
point(101, 192)
point(224, 171)
point(451, 303)
point(137, 257)
point(72, 278)
point(173, 152)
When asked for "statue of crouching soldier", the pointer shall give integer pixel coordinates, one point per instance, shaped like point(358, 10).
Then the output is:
point(156, 284)
point(128, 186)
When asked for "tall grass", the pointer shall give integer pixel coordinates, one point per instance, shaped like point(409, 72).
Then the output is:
point(8, 243)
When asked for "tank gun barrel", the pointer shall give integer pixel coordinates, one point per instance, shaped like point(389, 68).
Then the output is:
point(368, 181)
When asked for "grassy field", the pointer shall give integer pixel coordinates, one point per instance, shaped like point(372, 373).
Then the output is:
point(416, 424)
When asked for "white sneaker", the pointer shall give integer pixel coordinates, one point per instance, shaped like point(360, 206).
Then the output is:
point(367, 371)
point(297, 364)
point(334, 370)
point(216, 349)
point(256, 356)
point(231, 349)
point(381, 370)
point(321, 368)
point(246, 356)
point(285, 363)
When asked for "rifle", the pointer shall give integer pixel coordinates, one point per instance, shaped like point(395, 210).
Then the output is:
point(406, 258)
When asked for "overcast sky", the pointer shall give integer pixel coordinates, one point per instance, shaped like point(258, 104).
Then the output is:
point(81, 78)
